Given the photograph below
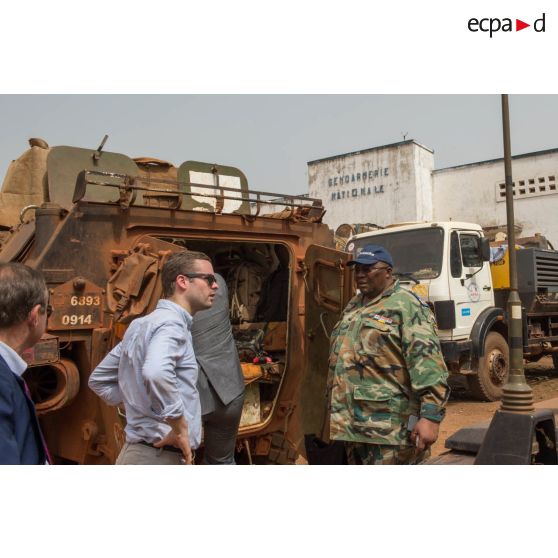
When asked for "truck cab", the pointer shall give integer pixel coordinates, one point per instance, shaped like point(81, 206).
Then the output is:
point(447, 265)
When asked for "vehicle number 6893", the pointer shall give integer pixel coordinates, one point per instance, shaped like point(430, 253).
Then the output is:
point(87, 300)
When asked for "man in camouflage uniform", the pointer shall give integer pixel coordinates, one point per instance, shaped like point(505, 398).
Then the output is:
point(387, 376)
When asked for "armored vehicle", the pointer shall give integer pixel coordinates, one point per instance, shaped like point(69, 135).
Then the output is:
point(100, 225)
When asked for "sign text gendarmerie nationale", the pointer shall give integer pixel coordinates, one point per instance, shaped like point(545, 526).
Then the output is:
point(362, 177)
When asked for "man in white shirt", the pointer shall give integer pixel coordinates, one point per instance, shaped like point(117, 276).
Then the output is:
point(153, 371)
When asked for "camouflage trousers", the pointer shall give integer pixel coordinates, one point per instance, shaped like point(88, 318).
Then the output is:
point(374, 454)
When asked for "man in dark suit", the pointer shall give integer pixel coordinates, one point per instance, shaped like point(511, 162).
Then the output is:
point(220, 379)
point(23, 317)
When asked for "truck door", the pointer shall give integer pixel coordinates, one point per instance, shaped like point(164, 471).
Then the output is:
point(469, 280)
point(329, 287)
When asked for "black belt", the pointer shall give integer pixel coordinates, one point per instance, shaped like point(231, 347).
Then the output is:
point(165, 448)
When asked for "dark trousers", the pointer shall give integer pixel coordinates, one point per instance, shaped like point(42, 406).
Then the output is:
point(220, 428)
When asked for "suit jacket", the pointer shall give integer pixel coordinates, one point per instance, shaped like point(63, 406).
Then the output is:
point(216, 352)
point(20, 434)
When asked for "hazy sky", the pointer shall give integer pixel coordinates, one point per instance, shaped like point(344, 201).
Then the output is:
point(272, 137)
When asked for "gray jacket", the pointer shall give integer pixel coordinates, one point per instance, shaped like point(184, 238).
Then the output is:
point(216, 352)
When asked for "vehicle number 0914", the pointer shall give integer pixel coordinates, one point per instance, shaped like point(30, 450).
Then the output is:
point(85, 300)
point(74, 319)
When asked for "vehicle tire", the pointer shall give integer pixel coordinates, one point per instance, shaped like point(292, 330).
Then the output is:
point(493, 369)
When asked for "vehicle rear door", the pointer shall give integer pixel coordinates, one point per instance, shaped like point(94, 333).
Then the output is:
point(329, 287)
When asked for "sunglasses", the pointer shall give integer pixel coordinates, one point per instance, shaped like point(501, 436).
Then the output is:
point(209, 277)
point(369, 268)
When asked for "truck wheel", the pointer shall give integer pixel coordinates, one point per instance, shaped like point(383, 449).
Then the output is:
point(493, 369)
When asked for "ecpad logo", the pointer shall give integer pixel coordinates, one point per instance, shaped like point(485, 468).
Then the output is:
point(493, 25)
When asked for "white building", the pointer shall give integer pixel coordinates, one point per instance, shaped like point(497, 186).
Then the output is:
point(380, 185)
point(476, 192)
point(398, 183)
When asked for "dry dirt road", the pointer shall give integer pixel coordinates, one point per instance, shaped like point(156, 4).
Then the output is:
point(462, 410)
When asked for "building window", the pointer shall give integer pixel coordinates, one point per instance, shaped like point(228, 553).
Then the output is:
point(539, 186)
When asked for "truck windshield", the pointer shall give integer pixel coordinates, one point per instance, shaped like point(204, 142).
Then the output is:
point(418, 251)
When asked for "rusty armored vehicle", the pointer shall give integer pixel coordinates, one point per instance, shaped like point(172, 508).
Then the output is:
point(100, 225)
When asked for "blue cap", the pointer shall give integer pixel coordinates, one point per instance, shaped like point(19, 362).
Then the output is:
point(371, 254)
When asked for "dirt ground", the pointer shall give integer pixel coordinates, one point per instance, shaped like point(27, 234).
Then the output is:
point(462, 410)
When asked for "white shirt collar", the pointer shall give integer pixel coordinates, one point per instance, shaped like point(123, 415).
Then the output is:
point(170, 305)
point(17, 365)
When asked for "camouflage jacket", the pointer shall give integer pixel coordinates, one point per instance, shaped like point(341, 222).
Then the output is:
point(385, 364)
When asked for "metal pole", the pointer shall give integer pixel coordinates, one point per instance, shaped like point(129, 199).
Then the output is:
point(518, 396)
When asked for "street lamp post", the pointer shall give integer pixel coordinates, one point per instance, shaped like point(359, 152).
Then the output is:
point(517, 433)
point(518, 395)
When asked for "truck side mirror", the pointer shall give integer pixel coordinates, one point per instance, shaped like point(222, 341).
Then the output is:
point(485, 249)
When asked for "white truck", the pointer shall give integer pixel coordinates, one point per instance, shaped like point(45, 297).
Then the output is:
point(448, 265)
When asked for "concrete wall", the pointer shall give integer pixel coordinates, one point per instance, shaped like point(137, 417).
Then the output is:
point(424, 165)
point(382, 185)
point(474, 193)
